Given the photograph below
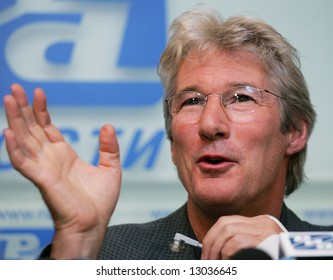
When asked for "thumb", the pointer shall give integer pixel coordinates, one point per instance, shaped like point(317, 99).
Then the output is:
point(109, 153)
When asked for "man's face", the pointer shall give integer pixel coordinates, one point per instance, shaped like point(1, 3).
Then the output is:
point(225, 163)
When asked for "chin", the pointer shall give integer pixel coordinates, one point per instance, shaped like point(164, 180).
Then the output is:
point(217, 209)
point(217, 199)
point(217, 193)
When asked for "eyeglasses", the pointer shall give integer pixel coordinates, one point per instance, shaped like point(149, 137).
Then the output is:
point(239, 100)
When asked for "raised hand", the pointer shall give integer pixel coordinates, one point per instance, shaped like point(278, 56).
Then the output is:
point(80, 196)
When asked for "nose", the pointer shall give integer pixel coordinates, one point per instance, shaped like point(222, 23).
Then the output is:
point(214, 122)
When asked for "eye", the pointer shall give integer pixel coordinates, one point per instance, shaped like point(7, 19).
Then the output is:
point(190, 99)
point(239, 97)
point(242, 98)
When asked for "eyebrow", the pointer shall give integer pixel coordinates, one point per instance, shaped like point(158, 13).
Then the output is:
point(198, 88)
point(191, 88)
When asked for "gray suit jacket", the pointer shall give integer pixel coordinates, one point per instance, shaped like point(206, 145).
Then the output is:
point(151, 241)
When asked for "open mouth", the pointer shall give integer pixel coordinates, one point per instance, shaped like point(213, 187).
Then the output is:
point(215, 163)
point(212, 160)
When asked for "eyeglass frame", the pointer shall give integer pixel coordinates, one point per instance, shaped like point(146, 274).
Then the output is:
point(222, 101)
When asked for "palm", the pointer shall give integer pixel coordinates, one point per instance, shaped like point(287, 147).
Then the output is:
point(80, 192)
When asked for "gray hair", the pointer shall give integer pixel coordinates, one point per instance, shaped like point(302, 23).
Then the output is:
point(204, 30)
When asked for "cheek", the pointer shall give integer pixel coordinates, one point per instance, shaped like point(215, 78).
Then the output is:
point(184, 133)
point(185, 137)
point(261, 133)
point(265, 141)
point(183, 147)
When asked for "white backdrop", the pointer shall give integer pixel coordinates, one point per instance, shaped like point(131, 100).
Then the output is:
point(150, 185)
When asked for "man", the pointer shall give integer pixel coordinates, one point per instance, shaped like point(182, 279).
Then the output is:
point(238, 116)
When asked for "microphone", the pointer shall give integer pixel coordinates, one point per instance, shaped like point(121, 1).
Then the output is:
point(251, 254)
point(299, 245)
point(180, 240)
point(285, 245)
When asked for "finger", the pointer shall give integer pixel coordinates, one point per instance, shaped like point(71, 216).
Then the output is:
point(43, 118)
point(228, 229)
point(213, 244)
point(15, 154)
point(222, 231)
point(17, 157)
point(19, 128)
point(14, 115)
point(27, 114)
point(40, 108)
point(231, 238)
point(109, 148)
point(215, 232)
point(237, 243)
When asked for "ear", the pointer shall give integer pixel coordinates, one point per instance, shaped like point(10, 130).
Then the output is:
point(298, 138)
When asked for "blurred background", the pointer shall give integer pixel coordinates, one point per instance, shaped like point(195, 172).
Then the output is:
point(96, 60)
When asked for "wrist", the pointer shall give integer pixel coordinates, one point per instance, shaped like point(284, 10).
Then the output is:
point(76, 246)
